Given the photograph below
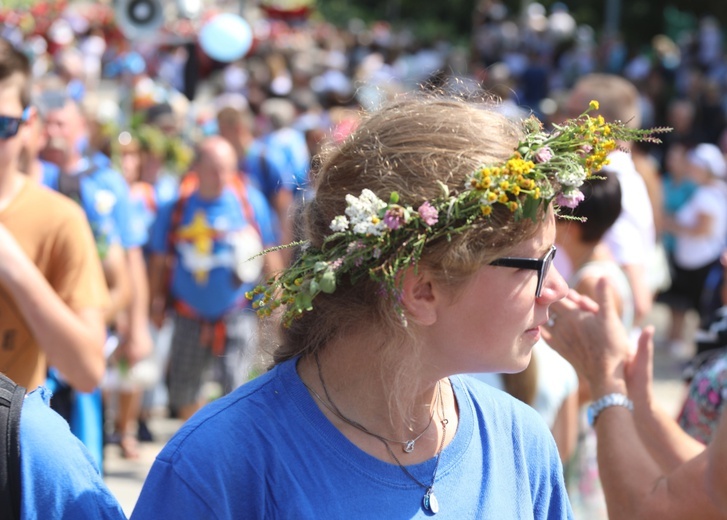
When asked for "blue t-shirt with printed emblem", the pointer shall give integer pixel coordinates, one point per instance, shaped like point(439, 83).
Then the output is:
point(212, 237)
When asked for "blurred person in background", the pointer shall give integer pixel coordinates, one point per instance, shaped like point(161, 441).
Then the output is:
point(264, 167)
point(700, 231)
point(88, 177)
point(632, 238)
point(199, 271)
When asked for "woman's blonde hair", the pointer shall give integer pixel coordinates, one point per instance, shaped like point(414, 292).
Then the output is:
point(406, 147)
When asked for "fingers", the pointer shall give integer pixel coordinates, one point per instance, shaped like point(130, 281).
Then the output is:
point(639, 370)
point(584, 302)
point(645, 354)
point(605, 297)
point(571, 302)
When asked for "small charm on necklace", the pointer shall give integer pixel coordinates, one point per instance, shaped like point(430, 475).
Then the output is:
point(409, 447)
point(430, 503)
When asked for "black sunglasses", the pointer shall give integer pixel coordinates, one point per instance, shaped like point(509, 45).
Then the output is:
point(9, 126)
point(541, 265)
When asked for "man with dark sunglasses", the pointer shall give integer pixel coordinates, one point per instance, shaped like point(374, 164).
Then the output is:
point(9, 125)
point(52, 297)
point(52, 292)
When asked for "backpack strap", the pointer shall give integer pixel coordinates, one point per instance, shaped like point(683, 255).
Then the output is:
point(70, 185)
point(186, 188)
point(11, 404)
point(238, 186)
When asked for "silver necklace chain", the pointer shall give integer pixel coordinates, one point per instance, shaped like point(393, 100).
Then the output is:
point(429, 501)
point(407, 446)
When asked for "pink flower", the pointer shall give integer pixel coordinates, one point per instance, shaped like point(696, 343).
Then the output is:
point(337, 263)
point(394, 217)
point(570, 199)
point(713, 397)
point(543, 154)
point(429, 213)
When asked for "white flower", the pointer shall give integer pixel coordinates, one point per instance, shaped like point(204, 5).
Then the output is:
point(370, 228)
point(363, 213)
point(104, 201)
point(573, 178)
point(340, 223)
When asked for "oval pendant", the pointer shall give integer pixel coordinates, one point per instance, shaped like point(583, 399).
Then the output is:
point(409, 446)
point(430, 503)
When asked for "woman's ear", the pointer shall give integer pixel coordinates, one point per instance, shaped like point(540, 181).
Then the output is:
point(418, 296)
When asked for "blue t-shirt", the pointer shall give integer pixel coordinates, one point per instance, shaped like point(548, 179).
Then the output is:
point(676, 195)
point(266, 168)
point(267, 451)
point(290, 143)
point(208, 236)
point(105, 199)
point(104, 227)
point(58, 476)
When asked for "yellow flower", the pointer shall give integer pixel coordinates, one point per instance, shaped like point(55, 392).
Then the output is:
point(527, 184)
point(502, 199)
point(536, 193)
point(486, 210)
point(593, 105)
point(515, 190)
point(512, 206)
point(375, 220)
point(504, 185)
point(491, 197)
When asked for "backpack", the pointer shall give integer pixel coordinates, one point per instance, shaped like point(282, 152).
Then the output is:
point(11, 403)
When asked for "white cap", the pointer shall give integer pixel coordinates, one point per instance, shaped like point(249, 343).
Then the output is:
point(709, 156)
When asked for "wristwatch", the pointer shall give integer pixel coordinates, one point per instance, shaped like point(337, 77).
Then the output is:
point(595, 408)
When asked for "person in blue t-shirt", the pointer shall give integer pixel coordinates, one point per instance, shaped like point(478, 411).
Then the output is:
point(265, 167)
point(209, 232)
point(363, 414)
point(287, 140)
point(59, 477)
point(89, 178)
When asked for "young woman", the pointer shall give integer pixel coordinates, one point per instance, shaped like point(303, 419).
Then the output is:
point(362, 415)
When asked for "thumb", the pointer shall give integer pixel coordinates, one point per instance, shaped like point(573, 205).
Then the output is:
point(640, 368)
point(605, 298)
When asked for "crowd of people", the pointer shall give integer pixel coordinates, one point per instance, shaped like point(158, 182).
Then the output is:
point(424, 231)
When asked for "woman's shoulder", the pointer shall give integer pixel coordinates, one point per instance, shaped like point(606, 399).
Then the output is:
point(240, 412)
point(497, 406)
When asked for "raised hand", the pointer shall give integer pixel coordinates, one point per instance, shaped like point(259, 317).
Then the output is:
point(590, 335)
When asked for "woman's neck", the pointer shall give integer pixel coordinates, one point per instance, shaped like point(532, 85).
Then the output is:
point(352, 383)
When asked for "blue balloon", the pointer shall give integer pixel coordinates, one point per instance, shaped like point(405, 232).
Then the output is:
point(226, 37)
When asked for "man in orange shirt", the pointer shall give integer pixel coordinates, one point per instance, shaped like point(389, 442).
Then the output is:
point(52, 289)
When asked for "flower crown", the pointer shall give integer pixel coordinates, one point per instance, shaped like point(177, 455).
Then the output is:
point(379, 239)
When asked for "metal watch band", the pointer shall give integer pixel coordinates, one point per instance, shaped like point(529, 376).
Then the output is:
point(615, 399)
